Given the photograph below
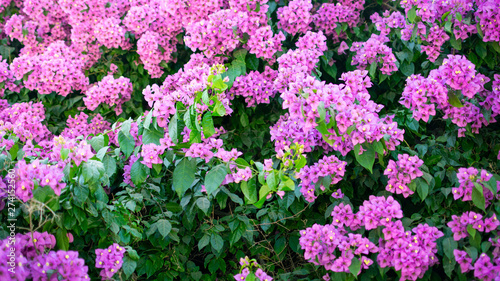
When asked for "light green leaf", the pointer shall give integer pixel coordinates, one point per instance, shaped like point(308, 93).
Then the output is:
point(215, 177)
point(184, 175)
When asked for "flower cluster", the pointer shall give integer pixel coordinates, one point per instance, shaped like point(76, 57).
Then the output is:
point(181, 87)
point(7, 79)
point(485, 268)
point(42, 174)
point(467, 177)
point(388, 21)
point(374, 51)
point(110, 91)
point(80, 126)
point(256, 87)
point(425, 95)
point(24, 120)
point(247, 266)
point(334, 247)
point(402, 172)
point(410, 254)
point(32, 259)
point(110, 260)
point(328, 166)
point(58, 69)
point(330, 17)
point(296, 17)
point(459, 224)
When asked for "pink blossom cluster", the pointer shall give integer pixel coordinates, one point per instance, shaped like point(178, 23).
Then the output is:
point(489, 19)
point(151, 152)
point(153, 50)
point(181, 87)
point(110, 260)
point(33, 261)
point(256, 87)
point(310, 175)
point(334, 246)
point(221, 32)
point(24, 120)
point(245, 271)
point(492, 100)
point(388, 21)
point(467, 177)
point(58, 69)
point(79, 125)
point(110, 33)
point(42, 174)
point(7, 79)
point(483, 268)
point(458, 76)
point(402, 172)
point(350, 102)
point(296, 17)
point(374, 51)
point(459, 225)
point(109, 91)
point(330, 16)
point(264, 43)
point(290, 130)
point(302, 94)
point(410, 254)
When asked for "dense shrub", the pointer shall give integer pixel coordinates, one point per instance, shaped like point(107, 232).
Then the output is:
point(249, 140)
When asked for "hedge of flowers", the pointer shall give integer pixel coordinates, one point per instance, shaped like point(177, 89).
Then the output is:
point(249, 140)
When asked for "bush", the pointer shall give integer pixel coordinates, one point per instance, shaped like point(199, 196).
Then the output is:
point(249, 140)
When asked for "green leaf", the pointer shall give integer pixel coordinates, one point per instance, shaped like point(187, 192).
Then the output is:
point(478, 196)
point(355, 267)
point(203, 241)
point(46, 195)
point(271, 180)
point(97, 142)
point(92, 171)
point(367, 159)
point(373, 69)
point(471, 230)
point(407, 68)
point(215, 177)
point(249, 189)
point(147, 119)
point(208, 125)
point(240, 54)
point(109, 164)
point(412, 14)
point(127, 143)
point(128, 266)
point(138, 173)
point(62, 239)
point(217, 242)
point(422, 188)
point(184, 175)
point(449, 244)
point(457, 44)
point(203, 204)
point(172, 129)
point(252, 61)
point(164, 227)
point(443, 17)
point(321, 111)
point(453, 100)
point(152, 136)
point(481, 50)
point(244, 119)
